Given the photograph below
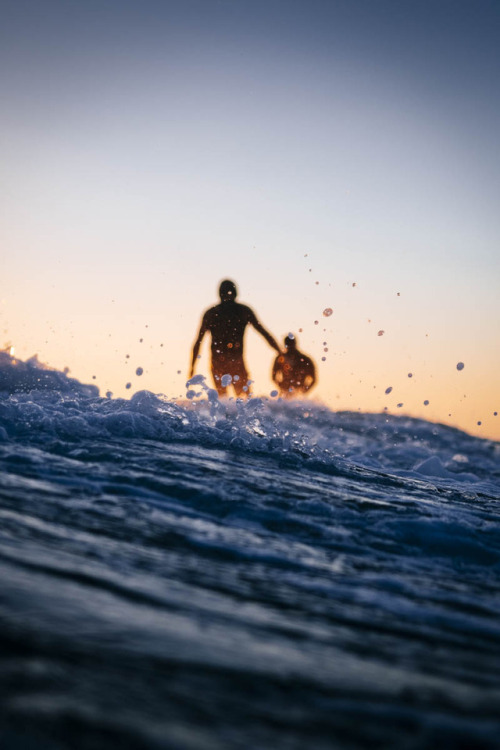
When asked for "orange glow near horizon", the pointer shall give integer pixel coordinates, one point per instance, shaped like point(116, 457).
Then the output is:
point(402, 372)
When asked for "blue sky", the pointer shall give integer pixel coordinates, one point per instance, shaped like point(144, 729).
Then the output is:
point(151, 148)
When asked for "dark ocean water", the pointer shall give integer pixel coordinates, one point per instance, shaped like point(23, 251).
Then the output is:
point(262, 574)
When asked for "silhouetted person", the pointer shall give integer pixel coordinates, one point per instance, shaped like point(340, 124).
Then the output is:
point(293, 372)
point(226, 323)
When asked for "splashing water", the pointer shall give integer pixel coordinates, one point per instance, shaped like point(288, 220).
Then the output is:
point(242, 573)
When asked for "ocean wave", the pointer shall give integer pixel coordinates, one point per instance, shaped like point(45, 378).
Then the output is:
point(298, 432)
point(258, 573)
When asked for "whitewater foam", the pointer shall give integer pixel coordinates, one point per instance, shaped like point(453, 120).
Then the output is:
point(257, 573)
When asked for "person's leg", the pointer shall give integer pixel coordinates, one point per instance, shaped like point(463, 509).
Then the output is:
point(221, 389)
point(240, 380)
point(238, 377)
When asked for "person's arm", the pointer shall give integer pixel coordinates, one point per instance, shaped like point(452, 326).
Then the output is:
point(277, 375)
point(197, 344)
point(312, 373)
point(260, 328)
point(310, 378)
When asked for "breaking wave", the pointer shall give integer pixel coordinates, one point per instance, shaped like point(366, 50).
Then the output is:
point(240, 574)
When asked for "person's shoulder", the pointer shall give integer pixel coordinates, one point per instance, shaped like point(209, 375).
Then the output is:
point(213, 309)
point(245, 310)
point(210, 313)
point(305, 359)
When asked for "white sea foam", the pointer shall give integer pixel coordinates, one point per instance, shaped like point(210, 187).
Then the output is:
point(278, 564)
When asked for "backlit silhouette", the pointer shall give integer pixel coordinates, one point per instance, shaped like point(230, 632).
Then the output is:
point(226, 323)
point(293, 372)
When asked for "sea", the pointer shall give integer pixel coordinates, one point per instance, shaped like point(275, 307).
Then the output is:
point(198, 574)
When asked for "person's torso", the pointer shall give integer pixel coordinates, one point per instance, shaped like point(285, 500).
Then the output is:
point(294, 366)
point(227, 322)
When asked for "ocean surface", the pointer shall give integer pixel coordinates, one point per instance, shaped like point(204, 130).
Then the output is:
point(203, 575)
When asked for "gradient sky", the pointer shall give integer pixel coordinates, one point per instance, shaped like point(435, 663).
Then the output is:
point(150, 149)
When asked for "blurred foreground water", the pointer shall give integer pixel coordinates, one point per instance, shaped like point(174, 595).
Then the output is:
point(243, 575)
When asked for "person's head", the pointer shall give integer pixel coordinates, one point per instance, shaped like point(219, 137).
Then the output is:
point(227, 290)
point(290, 341)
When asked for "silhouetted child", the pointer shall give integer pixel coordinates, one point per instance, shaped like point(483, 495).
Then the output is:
point(293, 372)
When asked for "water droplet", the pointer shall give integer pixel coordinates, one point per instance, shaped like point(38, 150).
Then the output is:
point(327, 312)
